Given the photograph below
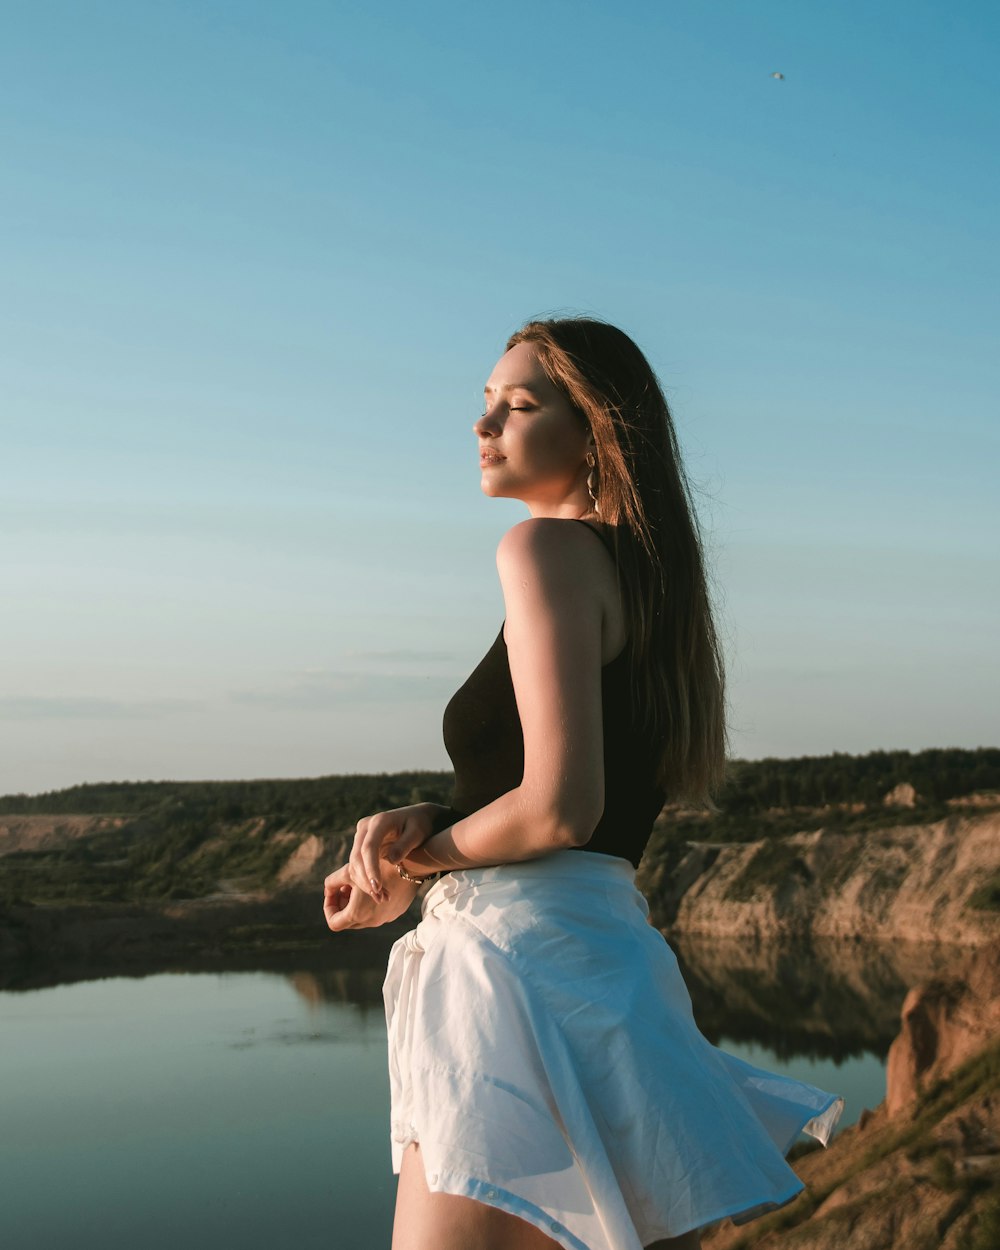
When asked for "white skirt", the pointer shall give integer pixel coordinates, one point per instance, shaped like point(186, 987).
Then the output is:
point(543, 1052)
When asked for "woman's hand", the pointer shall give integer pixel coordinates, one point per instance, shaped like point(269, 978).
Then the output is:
point(347, 907)
point(388, 836)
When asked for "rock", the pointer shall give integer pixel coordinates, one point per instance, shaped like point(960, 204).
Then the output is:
point(902, 795)
point(303, 860)
point(944, 1022)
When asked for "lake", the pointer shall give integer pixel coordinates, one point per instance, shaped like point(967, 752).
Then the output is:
point(250, 1108)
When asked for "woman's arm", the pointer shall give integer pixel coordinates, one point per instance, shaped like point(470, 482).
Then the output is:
point(551, 577)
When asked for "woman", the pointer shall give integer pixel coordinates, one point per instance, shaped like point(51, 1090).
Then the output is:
point(549, 1085)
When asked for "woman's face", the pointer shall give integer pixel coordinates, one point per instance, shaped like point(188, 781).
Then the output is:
point(532, 444)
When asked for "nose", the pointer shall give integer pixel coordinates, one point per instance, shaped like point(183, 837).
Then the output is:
point(487, 425)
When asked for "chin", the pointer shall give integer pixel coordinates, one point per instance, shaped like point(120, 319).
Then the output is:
point(489, 487)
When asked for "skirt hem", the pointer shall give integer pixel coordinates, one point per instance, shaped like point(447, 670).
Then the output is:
point(462, 1185)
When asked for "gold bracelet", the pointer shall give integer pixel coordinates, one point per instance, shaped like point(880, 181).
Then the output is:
point(416, 880)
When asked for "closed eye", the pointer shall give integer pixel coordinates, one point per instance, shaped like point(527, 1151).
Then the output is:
point(515, 408)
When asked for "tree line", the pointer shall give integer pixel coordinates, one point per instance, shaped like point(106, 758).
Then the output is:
point(339, 800)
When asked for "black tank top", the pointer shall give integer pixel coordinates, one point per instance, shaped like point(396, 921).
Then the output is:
point(483, 737)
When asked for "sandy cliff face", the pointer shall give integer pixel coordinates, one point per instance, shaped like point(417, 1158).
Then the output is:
point(50, 833)
point(913, 882)
point(306, 863)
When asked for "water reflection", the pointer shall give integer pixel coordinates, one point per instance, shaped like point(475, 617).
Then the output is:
point(829, 1000)
point(825, 1000)
point(140, 955)
point(361, 987)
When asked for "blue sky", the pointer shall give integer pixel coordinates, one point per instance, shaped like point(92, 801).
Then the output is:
point(259, 259)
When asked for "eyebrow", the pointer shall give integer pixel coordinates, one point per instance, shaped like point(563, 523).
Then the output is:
point(511, 386)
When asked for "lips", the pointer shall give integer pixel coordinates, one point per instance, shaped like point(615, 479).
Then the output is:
point(490, 457)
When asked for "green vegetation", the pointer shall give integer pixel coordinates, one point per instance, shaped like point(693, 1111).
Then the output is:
point(752, 789)
point(984, 1233)
point(812, 781)
point(770, 797)
point(178, 839)
point(332, 801)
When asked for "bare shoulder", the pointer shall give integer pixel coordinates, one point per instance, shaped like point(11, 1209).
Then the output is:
point(546, 544)
point(550, 566)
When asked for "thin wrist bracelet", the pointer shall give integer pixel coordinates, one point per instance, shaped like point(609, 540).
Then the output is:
point(416, 880)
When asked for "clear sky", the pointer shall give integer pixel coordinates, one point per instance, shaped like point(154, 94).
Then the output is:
point(258, 260)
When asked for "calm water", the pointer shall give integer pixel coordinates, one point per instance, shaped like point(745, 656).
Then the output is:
point(250, 1109)
point(197, 1110)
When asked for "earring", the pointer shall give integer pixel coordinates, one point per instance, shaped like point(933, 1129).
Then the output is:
point(590, 480)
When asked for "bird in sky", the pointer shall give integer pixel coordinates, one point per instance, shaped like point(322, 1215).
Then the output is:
point(778, 74)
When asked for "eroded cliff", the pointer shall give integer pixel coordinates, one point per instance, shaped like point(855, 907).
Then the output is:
point(920, 882)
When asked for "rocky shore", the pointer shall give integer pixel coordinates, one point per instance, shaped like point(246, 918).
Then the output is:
point(922, 1170)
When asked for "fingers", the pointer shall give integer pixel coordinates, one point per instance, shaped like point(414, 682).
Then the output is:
point(336, 907)
point(413, 835)
point(351, 908)
point(338, 891)
point(341, 876)
point(359, 870)
point(385, 837)
point(365, 861)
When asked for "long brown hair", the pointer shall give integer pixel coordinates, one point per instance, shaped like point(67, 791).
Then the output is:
point(676, 665)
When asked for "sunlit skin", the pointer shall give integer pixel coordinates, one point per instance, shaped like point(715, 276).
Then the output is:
point(544, 442)
point(530, 422)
